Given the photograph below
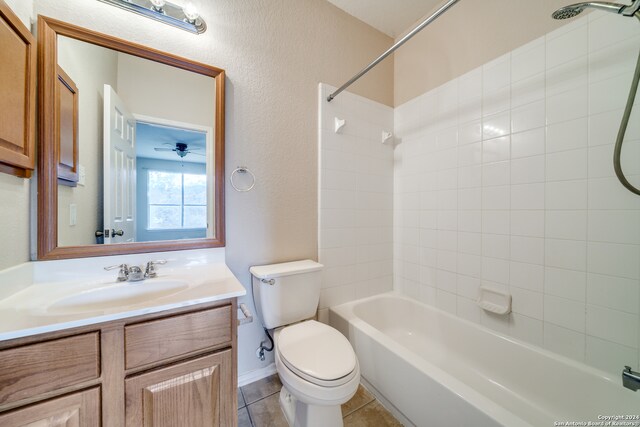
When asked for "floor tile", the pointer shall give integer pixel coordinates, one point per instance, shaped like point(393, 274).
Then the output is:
point(261, 389)
point(267, 412)
point(372, 414)
point(241, 402)
point(243, 418)
point(361, 398)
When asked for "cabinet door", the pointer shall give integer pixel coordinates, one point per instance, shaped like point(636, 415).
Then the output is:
point(196, 393)
point(75, 410)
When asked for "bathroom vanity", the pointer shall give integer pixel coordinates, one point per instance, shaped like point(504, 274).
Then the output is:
point(177, 367)
point(96, 351)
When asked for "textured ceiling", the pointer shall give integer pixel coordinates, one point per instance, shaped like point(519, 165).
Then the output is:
point(392, 17)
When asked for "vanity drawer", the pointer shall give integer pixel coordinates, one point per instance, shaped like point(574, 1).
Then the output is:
point(35, 369)
point(157, 340)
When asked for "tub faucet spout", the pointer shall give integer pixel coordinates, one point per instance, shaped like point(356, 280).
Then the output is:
point(630, 379)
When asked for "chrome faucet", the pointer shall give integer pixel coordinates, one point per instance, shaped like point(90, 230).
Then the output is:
point(134, 273)
point(630, 379)
point(150, 271)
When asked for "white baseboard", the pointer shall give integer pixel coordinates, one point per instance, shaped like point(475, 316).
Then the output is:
point(258, 374)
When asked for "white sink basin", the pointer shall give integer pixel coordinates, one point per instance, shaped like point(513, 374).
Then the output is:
point(123, 294)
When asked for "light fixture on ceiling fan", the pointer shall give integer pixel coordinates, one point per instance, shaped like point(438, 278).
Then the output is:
point(180, 148)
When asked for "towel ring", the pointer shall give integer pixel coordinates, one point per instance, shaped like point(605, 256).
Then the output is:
point(242, 169)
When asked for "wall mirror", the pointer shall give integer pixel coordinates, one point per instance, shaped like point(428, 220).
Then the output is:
point(131, 148)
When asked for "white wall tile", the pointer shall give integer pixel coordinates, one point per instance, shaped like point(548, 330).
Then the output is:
point(497, 173)
point(495, 246)
point(563, 283)
point(564, 341)
point(567, 224)
point(496, 198)
point(567, 254)
point(569, 105)
point(495, 150)
point(527, 170)
point(617, 293)
point(527, 223)
point(532, 115)
point(526, 276)
point(564, 312)
point(614, 226)
point(527, 303)
point(528, 196)
point(528, 60)
point(614, 259)
point(567, 76)
point(608, 356)
point(529, 143)
point(567, 46)
point(496, 74)
point(567, 135)
point(527, 249)
point(612, 325)
point(566, 195)
point(518, 194)
point(566, 165)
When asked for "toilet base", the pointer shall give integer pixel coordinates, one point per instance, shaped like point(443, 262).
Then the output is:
point(300, 414)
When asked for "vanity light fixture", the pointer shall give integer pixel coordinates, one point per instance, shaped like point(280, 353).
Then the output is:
point(186, 18)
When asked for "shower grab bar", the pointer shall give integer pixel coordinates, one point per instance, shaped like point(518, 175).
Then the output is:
point(392, 49)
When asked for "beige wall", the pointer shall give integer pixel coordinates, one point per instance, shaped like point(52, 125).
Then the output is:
point(165, 92)
point(15, 192)
point(90, 67)
point(275, 53)
point(471, 33)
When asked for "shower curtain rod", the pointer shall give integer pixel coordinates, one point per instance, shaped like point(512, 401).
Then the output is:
point(389, 51)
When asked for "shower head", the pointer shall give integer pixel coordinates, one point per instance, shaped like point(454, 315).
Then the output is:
point(577, 8)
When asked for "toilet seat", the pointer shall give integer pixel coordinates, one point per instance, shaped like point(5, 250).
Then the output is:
point(317, 353)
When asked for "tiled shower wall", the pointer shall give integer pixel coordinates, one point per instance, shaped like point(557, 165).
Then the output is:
point(356, 199)
point(504, 178)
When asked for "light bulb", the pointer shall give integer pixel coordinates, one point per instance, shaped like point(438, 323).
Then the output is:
point(190, 12)
point(158, 4)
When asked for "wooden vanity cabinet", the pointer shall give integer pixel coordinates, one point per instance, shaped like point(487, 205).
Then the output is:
point(169, 369)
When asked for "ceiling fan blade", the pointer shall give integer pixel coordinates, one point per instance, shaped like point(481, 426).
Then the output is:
point(164, 149)
point(195, 154)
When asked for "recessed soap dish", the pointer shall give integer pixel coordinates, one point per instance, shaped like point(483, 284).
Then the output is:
point(494, 300)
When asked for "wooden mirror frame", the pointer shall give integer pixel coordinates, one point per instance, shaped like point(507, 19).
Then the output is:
point(48, 249)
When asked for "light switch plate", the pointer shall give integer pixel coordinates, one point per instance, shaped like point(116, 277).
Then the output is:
point(73, 214)
point(82, 175)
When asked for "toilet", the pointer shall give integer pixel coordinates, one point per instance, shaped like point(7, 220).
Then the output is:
point(316, 364)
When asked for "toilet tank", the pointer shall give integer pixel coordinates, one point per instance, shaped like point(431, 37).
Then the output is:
point(286, 293)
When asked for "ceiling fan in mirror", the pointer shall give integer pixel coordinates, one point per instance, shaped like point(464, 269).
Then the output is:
point(180, 148)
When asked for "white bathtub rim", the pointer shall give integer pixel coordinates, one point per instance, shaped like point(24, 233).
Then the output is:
point(448, 381)
point(482, 403)
point(537, 349)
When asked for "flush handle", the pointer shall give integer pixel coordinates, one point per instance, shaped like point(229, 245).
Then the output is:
point(269, 281)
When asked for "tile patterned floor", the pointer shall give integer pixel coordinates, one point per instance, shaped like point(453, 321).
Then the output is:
point(259, 407)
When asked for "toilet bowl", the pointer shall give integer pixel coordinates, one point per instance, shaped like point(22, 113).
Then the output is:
point(319, 372)
point(316, 364)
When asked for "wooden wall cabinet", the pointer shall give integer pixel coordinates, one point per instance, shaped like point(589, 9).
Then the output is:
point(67, 99)
point(126, 373)
point(17, 94)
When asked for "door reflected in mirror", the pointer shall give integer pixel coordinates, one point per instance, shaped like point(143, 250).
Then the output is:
point(145, 150)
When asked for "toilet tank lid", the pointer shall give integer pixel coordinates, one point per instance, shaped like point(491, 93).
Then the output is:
point(272, 271)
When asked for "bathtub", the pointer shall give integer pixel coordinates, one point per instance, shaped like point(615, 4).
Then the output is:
point(436, 369)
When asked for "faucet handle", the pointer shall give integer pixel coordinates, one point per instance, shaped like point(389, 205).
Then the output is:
point(150, 271)
point(123, 274)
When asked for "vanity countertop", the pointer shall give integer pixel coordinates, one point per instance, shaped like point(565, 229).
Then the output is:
point(52, 306)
